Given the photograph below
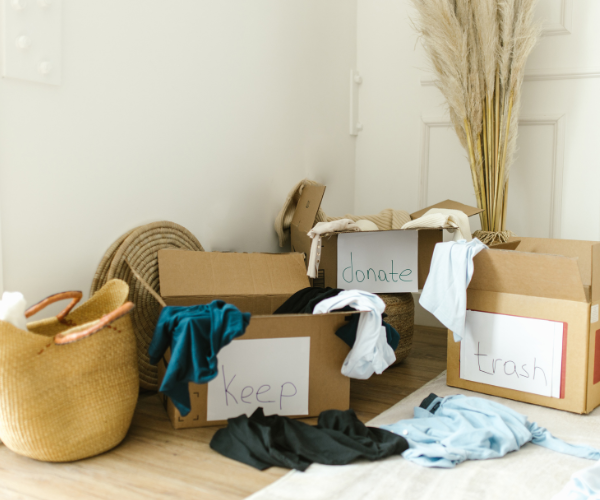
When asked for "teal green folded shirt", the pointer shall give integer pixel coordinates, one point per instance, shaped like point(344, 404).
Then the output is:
point(195, 335)
point(448, 431)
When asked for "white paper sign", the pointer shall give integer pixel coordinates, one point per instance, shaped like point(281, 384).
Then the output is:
point(272, 373)
point(378, 261)
point(523, 354)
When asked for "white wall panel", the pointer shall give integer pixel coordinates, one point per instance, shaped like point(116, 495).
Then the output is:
point(449, 175)
point(531, 184)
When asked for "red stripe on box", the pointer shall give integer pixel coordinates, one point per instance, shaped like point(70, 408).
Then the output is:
point(597, 358)
point(563, 366)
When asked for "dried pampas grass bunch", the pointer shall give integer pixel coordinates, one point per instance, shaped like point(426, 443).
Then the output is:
point(478, 49)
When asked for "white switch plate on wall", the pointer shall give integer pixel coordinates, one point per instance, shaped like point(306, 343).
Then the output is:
point(32, 40)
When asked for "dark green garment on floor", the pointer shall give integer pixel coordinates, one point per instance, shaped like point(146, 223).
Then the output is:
point(339, 438)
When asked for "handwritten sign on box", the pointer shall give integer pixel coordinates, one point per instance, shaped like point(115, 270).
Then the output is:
point(378, 261)
point(272, 373)
point(523, 354)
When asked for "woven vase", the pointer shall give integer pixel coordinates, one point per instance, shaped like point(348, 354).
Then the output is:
point(400, 308)
point(69, 384)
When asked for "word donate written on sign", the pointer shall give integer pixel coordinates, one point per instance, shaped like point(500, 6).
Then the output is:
point(523, 354)
point(378, 261)
point(271, 373)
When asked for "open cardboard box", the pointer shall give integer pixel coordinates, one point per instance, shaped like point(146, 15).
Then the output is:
point(304, 220)
point(257, 283)
point(556, 280)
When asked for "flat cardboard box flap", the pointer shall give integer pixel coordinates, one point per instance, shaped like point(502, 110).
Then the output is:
point(185, 273)
point(450, 205)
point(308, 206)
point(586, 253)
point(524, 273)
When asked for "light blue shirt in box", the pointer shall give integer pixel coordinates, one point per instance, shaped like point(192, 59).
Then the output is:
point(453, 429)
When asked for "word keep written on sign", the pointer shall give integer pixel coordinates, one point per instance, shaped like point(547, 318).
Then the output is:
point(271, 373)
point(523, 354)
point(378, 261)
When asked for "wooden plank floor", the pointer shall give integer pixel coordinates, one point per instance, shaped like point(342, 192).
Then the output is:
point(157, 462)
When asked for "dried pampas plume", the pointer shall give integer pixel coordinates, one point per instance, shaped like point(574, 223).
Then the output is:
point(478, 49)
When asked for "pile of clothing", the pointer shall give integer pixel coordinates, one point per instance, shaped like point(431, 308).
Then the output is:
point(455, 221)
point(443, 433)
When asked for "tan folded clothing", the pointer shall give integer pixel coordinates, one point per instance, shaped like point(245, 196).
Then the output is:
point(385, 220)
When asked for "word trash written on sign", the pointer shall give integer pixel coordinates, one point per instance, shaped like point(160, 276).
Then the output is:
point(268, 373)
point(523, 354)
point(378, 262)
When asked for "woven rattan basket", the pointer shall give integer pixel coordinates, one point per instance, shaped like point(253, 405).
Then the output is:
point(138, 250)
point(69, 385)
point(400, 308)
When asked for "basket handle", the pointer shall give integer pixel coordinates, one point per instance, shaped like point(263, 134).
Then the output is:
point(75, 296)
point(106, 320)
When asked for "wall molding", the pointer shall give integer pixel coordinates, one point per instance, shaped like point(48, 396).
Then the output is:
point(561, 74)
point(539, 75)
point(557, 121)
point(564, 25)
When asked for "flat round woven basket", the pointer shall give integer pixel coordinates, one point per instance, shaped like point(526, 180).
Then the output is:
point(139, 249)
point(400, 308)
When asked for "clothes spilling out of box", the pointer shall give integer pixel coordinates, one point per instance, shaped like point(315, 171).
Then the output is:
point(299, 379)
point(523, 323)
point(389, 260)
point(296, 344)
point(291, 355)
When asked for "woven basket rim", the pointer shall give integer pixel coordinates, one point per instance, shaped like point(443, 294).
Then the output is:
point(140, 247)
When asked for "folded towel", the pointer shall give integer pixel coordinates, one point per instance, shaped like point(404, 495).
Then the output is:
point(455, 221)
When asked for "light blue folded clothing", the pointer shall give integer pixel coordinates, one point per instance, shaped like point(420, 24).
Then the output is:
point(448, 431)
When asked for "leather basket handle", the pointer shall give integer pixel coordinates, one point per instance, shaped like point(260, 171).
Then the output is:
point(75, 296)
point(106, 320)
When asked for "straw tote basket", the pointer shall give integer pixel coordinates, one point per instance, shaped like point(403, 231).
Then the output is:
point(69, 385)
point(400, 308)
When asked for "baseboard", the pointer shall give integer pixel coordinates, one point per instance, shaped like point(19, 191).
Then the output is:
point(423, 317)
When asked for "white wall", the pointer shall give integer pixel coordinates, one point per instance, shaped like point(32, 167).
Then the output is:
point(206, 112)
point(203, 112)
point(408, 155)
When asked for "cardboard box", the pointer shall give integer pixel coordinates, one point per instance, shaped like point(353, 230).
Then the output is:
point(259, 284)
point(304, 220)
point(555, 280)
